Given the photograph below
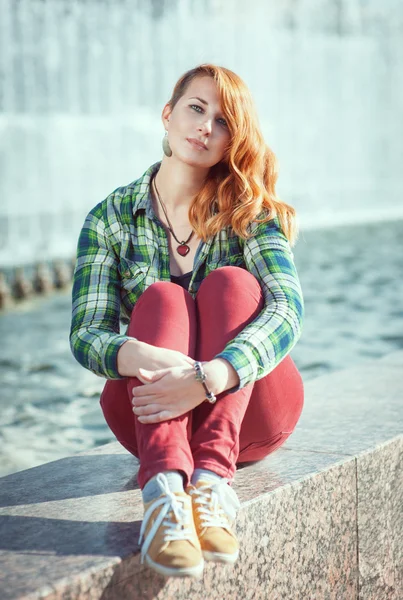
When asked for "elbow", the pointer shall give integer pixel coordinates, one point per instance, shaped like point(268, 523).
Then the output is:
point(82, 350)
point(290, 326)
point(299, 309)
point(296, 318)
point(96, 350)
point(77, 347)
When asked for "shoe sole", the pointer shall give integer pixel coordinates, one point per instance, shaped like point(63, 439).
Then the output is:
point(220, 557)
point(195, 572)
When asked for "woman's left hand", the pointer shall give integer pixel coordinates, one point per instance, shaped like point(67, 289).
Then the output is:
point(166, 394)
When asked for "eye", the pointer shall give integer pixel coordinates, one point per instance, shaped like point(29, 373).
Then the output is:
point(196, 107)
point(199, 109)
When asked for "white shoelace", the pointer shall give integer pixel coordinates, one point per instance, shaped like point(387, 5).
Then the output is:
point(178, 529)
point(217, 504)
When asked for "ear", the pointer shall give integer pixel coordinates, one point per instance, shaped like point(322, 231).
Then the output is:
point(166, 113)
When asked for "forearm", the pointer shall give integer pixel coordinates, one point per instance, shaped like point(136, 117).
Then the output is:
point(263, 343)
point(132, 355)
point(221, 375)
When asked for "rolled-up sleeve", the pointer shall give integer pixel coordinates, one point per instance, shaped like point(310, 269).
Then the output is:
point(264, 342)
point(94, 336)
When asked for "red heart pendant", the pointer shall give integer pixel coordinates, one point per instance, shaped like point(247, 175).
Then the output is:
point(183, 249)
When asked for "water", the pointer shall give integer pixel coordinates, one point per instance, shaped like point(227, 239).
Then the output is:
point(352, 279)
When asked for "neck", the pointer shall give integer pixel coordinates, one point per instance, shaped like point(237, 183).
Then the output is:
point(178, 183)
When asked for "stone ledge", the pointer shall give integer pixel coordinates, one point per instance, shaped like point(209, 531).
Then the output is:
point(320, 517)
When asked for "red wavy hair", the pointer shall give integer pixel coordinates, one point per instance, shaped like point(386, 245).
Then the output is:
point(242, 186)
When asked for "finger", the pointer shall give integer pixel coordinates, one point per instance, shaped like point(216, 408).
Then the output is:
point(156, 417)
point(144, 391)
point(150, 409)
point(149, 377)
point(143, 400)
point(153, 375)
point(146, 374)
point(143, 380)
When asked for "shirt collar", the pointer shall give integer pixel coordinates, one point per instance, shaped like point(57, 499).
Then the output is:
point(141, 190)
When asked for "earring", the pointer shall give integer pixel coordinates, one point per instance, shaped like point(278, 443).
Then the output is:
point(165, 145)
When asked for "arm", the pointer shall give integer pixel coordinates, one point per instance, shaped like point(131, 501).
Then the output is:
point(262, 344)
point(254, 352)
point(94, 336)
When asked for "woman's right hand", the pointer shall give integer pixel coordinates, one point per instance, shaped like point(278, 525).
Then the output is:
point(163, 358)
point(134, 354)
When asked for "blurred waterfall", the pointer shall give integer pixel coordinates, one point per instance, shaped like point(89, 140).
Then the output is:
point(82, 84)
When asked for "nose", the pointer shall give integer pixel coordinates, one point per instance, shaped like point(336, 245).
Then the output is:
point(205, 127)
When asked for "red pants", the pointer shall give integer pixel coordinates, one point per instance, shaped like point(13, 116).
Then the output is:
point(243, 426)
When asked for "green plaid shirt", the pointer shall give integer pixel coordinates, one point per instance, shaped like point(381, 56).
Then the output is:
point(123, 249)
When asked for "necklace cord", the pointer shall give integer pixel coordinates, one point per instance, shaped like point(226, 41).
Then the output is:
point(183, 243)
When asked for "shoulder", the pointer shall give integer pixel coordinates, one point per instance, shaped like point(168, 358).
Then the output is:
point(270, 225)
point(267, 236)
point(118, 208)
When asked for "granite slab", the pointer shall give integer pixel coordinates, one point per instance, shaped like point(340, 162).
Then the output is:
point(380, 522)
point(70, 527)
point(297, 543)
point(352, 411)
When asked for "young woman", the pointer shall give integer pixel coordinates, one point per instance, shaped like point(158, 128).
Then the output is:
point(195, 256)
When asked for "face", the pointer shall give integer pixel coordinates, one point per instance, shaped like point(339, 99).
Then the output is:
point(197, 129)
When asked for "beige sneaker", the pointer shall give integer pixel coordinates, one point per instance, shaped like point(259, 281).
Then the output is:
point(170, 545)
point(214, 511)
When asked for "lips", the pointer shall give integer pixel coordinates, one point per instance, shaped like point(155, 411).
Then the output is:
point(197, 144)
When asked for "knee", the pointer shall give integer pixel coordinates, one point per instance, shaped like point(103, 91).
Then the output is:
point(236, 276)
point(161, 304)
point(235, 282)
point(161, 294)
point(162, 288)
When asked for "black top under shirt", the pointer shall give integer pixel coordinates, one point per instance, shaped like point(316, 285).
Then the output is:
point(182, 280)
